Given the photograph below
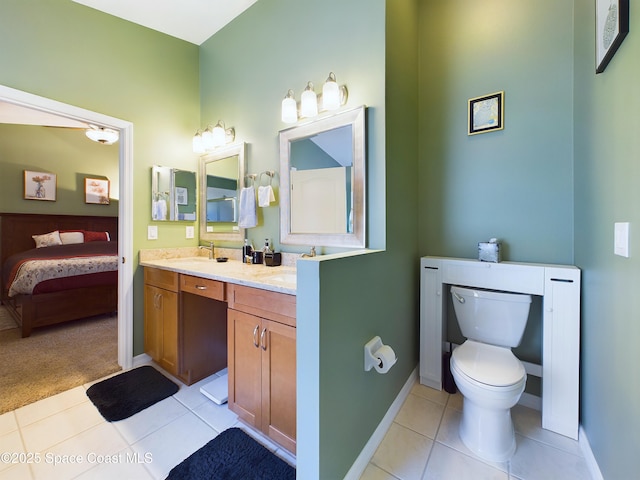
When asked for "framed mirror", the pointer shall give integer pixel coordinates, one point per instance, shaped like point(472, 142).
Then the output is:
point(173, 194)
point(221, 175)
point(323, 176)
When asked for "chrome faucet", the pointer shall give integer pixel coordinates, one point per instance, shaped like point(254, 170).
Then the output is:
point(312, 253)
point(210, 248)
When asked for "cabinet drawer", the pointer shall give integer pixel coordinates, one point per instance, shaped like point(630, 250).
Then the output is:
point(276, 306)
point(203, 287)
point(161, 278)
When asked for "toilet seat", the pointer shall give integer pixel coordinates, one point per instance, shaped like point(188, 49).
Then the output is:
point(488, 365)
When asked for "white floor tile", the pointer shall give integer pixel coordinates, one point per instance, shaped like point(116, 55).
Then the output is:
point(150, 419)
point(190, 396)
point(61, 426)
point(173, 443)
point(376, 473)
point(217, 416)
point(20, 471)
point(403, 453)
point(10, 443)
point(8, 423)
point(527, 422)
point(420, 415)
point(438, 396)
point(49, 406)
point(446, 463)
point(536, 461)
point(123, 465)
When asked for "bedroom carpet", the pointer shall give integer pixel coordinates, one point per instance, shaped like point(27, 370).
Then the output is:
point(233, 455)
point(55, 359)
point(128, 393)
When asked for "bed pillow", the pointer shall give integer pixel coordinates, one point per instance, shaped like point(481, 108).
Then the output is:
point(71, 236)
point(96, 236)
point(47, 239)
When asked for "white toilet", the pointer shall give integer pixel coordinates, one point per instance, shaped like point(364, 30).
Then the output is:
point(489, 376)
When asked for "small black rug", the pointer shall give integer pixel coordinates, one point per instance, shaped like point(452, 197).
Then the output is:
point(233, 455)
point(124, 395)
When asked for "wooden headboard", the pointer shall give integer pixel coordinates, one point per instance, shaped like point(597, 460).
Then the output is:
point(16, 229)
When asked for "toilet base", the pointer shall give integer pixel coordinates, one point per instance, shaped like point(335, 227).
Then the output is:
point(488, 433)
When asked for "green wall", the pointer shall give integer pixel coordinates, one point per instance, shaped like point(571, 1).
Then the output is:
point(515, 184)
point(63, 152)
point(77, 55)
point(607, 170)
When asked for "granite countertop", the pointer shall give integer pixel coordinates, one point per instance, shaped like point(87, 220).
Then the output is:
point(278, 279)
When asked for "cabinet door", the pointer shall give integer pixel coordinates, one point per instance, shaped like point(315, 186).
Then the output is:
point(278, 345)
point(245, 366)
point(161, 327)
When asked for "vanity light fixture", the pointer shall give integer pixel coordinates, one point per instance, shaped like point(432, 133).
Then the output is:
point(213, 137)
point(331, 93)
point(333, 97)
point(106, 136)
point(309, 102)
point(289, 108)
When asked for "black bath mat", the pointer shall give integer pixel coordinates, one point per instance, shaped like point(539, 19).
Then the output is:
point(233, 455)
point(119, 397)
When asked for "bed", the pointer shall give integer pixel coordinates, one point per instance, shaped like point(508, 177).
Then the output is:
point(58, 299)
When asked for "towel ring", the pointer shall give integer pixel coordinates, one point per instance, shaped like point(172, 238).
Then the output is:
point(252, 177)
point(270, 174)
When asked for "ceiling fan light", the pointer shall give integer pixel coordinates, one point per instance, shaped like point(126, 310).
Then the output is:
point(106, 136)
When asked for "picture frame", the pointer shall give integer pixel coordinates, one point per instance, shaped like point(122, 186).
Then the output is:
point(96, 191)
point(40, 186)
point(486, 113)
point(612, 26)
point(182, 196)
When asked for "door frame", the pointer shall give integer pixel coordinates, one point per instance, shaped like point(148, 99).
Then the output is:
point(125, 202)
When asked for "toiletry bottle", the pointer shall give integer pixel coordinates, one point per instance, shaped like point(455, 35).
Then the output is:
point(247, 250)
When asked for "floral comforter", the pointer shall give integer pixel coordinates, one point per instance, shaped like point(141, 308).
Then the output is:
point(25, 271)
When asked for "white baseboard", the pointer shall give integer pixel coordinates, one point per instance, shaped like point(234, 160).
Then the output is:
point(356, 470)
point(142, 359)
point(585, 446)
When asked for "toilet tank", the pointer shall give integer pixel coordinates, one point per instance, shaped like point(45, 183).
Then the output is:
point(487, 316)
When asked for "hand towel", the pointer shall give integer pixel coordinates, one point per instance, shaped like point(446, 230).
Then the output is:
point(265, 195)
point(247, 217)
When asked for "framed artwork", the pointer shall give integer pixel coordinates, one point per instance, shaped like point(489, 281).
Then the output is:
point(486, 113)
point(40, 186)
point(612, 25)
point(182, 196)
point(96, 190)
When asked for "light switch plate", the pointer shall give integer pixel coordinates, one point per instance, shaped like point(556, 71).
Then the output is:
point(190, 233)
point(152, 232)
point(621, 239)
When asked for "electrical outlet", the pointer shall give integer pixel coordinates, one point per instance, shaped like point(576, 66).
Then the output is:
point(621, 239)
point(152, 232)
point(190, 233)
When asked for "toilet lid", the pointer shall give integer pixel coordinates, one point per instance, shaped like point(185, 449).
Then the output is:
point(488, 364)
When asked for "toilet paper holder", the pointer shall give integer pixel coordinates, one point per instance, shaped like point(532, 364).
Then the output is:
point(371, 360)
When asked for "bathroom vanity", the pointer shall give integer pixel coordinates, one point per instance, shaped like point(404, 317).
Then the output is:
point(559, 287)
point(202, 316)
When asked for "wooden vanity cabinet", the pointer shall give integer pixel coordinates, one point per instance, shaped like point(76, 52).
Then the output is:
point(185, 324)
point(262, 361)
point(161, 317)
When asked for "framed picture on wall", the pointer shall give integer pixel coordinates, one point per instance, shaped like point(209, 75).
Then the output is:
point(96, 190)
point(40, 186)
point(612, 25)
point(486, 113)
point(182, 196)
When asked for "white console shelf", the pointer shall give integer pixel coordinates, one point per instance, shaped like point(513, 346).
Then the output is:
point(559, 287)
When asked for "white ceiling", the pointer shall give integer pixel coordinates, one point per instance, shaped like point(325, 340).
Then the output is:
point(191, 20)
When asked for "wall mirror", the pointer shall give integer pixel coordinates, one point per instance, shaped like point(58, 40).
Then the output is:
point(221, 174)
point(173, 193)
point(323, 174)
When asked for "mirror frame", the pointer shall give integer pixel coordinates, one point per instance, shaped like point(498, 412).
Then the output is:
point(221, 153)
point(356, 118)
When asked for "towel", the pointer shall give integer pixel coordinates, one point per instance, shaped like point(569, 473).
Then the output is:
point(247, 217)
point(265, 195)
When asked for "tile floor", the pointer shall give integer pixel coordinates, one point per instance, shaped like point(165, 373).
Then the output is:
point(423, 444)
point(75, 442)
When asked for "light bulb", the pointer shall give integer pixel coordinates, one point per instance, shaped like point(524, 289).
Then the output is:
point(289, 108)
point(309, 102)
